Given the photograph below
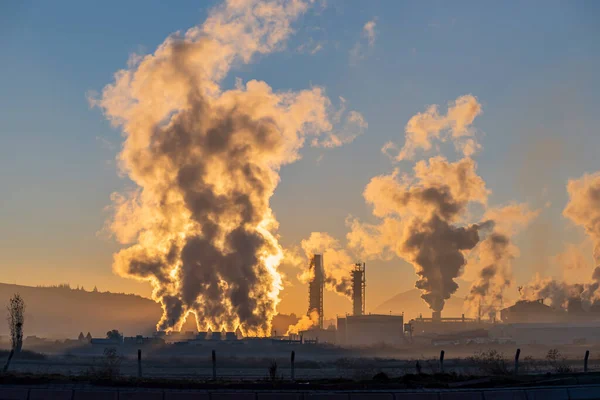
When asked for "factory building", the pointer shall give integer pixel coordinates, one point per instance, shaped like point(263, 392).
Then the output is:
point(525, 311)
point(317, 335)
point(359, 329)
point(370, 329)
point(436, 325)
point(315, 288)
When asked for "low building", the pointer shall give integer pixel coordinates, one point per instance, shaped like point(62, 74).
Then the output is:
point(141, 340)
point(32, 341)
point(525, 311)
point(106, 342)
point(317, 335)
point(436, 326)
point(370, 329)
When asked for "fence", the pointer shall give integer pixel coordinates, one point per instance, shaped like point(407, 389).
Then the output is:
point(292, 368)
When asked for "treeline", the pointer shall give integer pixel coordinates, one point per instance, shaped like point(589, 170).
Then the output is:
point(67, 286)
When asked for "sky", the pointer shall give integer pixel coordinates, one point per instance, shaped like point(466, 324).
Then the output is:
point(532, 66)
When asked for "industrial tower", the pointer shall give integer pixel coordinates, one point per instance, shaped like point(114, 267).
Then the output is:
point(315, 287)
point(358, 289)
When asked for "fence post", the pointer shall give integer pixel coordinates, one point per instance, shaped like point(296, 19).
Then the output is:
point(517, 354)
point(10, 356)
point(585, 361)
point(293, 359)
point(139, 363)
point(442, 361)
point(214, 365)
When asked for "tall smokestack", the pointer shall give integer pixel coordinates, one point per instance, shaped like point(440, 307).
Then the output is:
point(358, 289)
point(436, 316)
point(315, 287)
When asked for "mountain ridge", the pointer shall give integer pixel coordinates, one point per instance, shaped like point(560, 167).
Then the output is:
point(412, 305)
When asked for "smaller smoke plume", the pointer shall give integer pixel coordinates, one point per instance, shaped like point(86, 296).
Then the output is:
point(337, 263)
point(559, 294)
point(423, 128)
point(305, 323)
point(420, 222)
point(492, 259)
point(583, 209)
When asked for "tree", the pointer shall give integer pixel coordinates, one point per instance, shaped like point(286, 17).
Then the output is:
point(114, 334)
point(16, 319)
point(81, 338)
point(88, 337)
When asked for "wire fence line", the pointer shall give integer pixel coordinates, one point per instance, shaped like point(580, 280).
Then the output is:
point(227, 368)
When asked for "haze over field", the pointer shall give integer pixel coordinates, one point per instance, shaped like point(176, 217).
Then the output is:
point(226, 146)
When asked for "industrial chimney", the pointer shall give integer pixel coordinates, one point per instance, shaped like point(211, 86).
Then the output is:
point(315, 287)
point(436, 316)
point(358, 289)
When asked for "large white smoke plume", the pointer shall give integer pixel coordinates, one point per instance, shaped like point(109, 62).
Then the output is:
point(206, 162)
point(583, 209)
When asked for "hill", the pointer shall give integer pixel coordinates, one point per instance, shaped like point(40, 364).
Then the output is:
point(63, 312)
point(412, 305)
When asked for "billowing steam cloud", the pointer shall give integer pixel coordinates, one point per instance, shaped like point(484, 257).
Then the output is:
point(206, 163)
point(423, 218)
point(337, 263)
point(421, 222)
point(424, 127)
point(582, 209)
point(305, 323)
point(492, 259)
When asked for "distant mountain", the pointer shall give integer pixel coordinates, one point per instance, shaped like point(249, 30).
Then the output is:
point(62, 312)
point(412, 305)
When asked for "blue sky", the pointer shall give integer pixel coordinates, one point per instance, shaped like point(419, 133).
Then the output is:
point(532, 65)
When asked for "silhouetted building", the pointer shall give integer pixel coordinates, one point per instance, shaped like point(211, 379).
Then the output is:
point(317, 335)
point(525, 311)
point(140, 340)
point(371, 329)
point(436, 325)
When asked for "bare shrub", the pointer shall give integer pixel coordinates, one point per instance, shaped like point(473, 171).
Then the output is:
point(16, 320)
point(558, 362)
point(433, 365)
point(529, 365)
point(273, 370)
point(490, 362)
point(110, 366)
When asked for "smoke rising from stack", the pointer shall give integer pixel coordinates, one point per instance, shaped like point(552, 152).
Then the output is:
point(305, 323)
point(337, 263)
point(492, 259)
point(206, 162)
point(424, 212)
point(583, 209)
point(423, 217)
